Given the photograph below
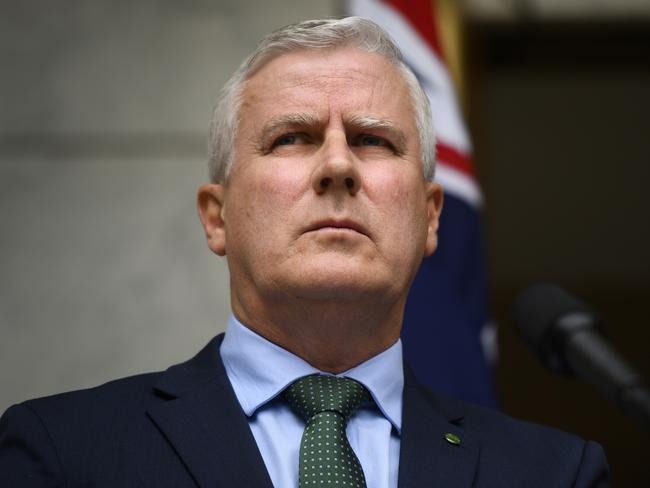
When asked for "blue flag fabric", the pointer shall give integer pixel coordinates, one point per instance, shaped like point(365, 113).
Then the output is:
point(446, 310)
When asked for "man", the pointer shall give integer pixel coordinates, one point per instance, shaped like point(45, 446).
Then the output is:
point(322, 201)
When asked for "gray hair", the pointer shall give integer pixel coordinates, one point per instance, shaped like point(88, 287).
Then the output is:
point(355, 32)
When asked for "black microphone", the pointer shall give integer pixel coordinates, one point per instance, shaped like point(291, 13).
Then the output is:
point(567, 336)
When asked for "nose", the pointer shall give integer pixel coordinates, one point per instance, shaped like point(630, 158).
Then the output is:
point(337, 168)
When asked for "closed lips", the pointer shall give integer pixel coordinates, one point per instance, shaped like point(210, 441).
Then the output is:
point(338, 224)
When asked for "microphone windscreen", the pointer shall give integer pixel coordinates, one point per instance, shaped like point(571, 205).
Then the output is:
point(537, 310)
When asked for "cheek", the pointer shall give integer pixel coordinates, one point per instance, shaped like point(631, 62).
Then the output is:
point(397, 193)
point(264, 200)
point(399, 199)
point(280, 187)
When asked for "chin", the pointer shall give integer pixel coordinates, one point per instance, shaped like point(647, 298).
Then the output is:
point(340, 283)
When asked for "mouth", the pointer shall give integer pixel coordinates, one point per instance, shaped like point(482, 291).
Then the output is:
point(338, 225)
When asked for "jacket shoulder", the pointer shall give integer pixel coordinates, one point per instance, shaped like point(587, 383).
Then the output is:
point(115, 395)
point(41, 439)
point(513, 449)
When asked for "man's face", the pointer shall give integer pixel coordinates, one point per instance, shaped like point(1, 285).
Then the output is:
point(326, 198)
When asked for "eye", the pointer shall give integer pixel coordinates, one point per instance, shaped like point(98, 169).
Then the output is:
point(286, 140)
point(367, 140)
point(286, 143)
point(372, 141)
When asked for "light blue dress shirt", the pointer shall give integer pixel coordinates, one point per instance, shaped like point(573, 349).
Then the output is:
point(260, 370)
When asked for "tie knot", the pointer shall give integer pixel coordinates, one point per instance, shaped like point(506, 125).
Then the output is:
point(314, 394)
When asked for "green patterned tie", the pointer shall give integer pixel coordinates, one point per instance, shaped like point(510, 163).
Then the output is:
point(326, 403)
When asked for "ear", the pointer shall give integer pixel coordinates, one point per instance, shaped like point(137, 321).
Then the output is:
point(435, 198)
point(210, 204)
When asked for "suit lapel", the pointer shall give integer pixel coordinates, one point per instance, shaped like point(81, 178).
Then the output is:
point(427, 458)
point(201, 418)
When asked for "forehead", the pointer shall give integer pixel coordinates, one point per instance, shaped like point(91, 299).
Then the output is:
point(345, 81)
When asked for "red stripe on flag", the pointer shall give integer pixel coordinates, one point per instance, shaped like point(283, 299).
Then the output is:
point(451, 157)
point(422, 16)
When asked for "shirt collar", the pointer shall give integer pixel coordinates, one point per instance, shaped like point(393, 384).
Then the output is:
point(260, 370)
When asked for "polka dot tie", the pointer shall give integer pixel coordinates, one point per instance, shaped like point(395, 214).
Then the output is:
point(326, 403)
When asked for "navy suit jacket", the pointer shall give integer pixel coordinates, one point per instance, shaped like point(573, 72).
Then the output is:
point(185, 428)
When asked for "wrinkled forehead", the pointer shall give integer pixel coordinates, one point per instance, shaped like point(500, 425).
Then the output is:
point(343, 79)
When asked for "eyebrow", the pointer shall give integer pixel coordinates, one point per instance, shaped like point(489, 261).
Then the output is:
point(289, 121)
point(362, 122)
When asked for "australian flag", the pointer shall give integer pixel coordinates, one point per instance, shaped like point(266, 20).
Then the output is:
point(447, 338)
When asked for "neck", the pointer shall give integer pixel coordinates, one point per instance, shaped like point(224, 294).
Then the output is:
point(331, 336)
